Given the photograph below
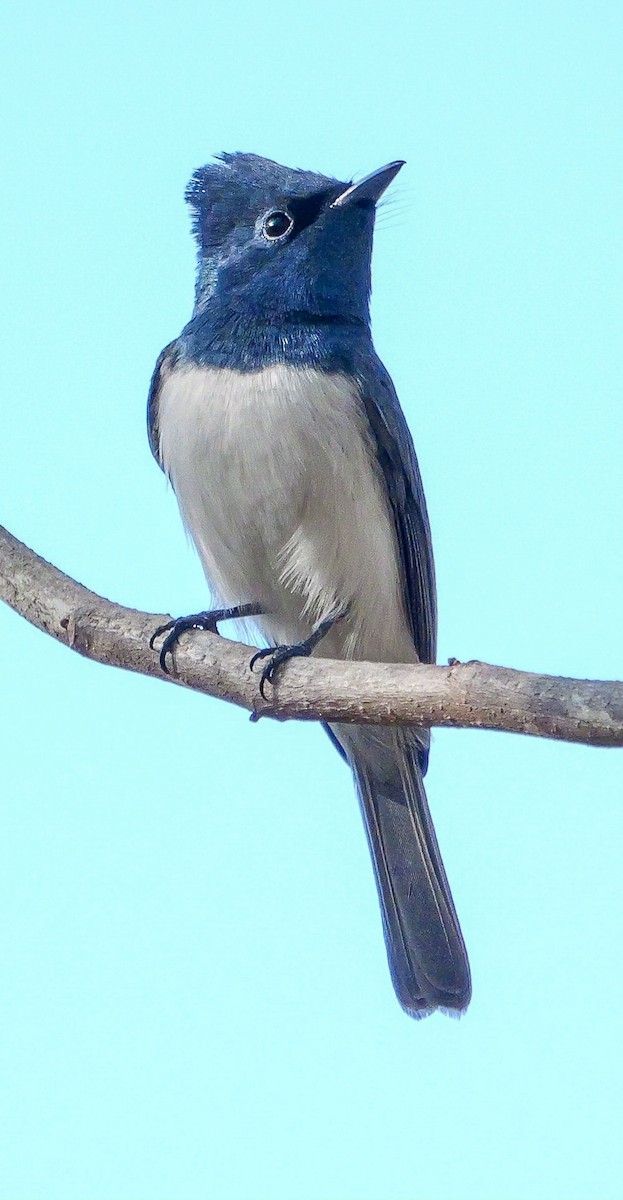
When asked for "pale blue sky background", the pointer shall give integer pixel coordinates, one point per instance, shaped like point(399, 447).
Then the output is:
point(195, 1003)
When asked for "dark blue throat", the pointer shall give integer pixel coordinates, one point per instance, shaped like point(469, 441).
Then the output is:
point(219, 337)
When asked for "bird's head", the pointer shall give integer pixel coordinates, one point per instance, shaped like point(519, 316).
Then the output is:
point(273, 241)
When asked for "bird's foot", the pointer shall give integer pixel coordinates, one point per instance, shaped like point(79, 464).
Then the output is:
point(278, 655)
point(207, 621)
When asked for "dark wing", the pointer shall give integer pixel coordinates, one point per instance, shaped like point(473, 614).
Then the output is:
point(400, 469)
point(165, 364)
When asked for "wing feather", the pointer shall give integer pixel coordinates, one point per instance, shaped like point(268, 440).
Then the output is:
point(164, 365)
point(398, 462)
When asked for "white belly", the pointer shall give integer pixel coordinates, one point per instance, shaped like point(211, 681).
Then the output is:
point(278, 486)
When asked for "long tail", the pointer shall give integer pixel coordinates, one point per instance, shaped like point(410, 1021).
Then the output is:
point(427, 955)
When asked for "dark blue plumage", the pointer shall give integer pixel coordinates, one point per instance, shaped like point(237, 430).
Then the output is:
point(245, 275)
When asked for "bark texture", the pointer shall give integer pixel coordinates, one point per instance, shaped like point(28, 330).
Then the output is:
point(471, 695)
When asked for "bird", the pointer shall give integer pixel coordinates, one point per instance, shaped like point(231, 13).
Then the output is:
point(296, 477)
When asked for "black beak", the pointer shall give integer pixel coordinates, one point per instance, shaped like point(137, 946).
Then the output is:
point(369, 189)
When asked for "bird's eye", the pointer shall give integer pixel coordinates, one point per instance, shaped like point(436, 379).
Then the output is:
point(277, 225)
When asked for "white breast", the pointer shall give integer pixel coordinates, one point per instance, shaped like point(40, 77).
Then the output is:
point(278, 485)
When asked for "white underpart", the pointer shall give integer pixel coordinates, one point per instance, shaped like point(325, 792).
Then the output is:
point(278, 485)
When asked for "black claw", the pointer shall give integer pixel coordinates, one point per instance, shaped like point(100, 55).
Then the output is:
point(168, 646)
point(277, 656)
point(208, 621)
point(261, 654)
point(160, 630)
point(282, 654)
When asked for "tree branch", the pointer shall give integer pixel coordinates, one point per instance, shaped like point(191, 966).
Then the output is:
point(466, 695)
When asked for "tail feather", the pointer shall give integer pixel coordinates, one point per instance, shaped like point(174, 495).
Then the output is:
point(427, 955)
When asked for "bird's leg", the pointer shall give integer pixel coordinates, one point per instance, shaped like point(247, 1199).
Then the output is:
point(207, 621)
point(277, 655)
